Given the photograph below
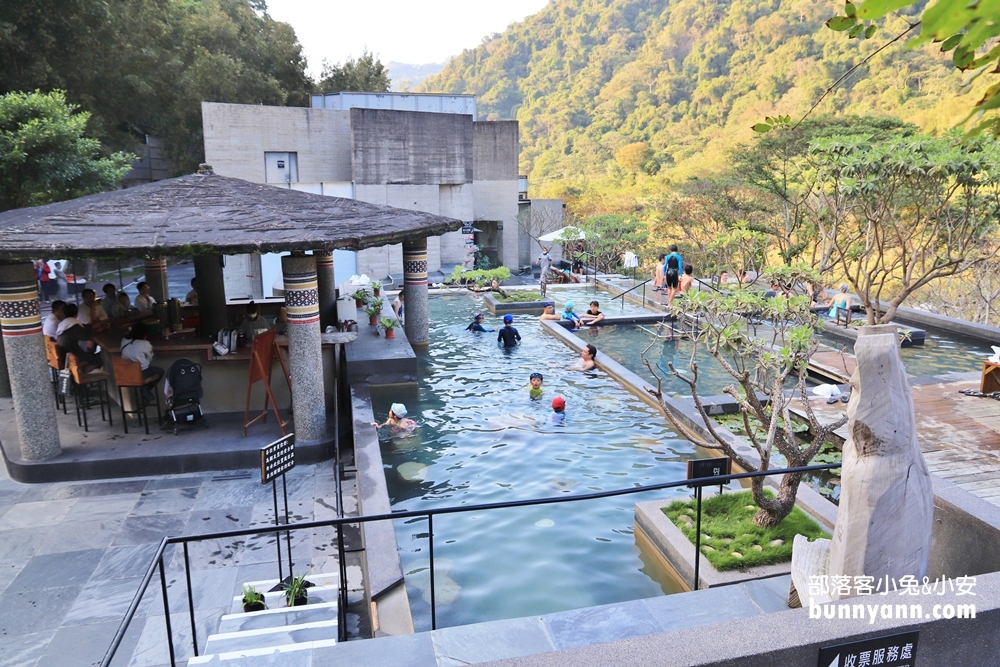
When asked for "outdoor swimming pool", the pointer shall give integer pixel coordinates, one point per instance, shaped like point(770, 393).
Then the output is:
point(483, 440)
point(942, 352)
point(582, 295)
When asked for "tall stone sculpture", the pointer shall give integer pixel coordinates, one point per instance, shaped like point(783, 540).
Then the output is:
point(886, 502)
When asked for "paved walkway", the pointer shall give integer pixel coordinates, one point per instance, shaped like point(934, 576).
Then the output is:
point(72, 555)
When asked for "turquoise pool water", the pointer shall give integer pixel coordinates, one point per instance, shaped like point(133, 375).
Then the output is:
point(481, 439)
point(582, 295)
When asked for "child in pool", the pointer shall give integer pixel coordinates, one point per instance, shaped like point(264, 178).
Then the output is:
point(397, 419)
point(558, 416)
point(535, 392)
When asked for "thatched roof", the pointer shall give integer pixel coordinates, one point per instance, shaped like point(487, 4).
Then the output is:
point(207, 213)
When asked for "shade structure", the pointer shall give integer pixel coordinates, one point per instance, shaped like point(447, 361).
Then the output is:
point(569, 233)
point(207, 213)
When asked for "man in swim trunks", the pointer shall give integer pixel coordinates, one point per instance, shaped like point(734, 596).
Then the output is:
point(672, 265)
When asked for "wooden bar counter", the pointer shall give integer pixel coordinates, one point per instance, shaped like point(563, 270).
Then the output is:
point(224, 377)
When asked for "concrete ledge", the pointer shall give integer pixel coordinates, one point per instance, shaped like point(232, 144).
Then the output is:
point(384, 570)
point(498, 307)
point(372, 359)
point(850, 334)
point(678, 550)
point(951, 324)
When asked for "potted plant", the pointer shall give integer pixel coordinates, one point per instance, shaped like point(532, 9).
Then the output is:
point(388, 324)
point(360, 297)
point(253, 600)
point(296, 593)
point(377, 288)
point(374, 309)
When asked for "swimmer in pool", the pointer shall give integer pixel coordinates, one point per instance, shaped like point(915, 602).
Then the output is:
point(535, 392)
point(397, 419)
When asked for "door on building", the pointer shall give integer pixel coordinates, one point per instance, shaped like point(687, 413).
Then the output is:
point(488, 240)
point(281, 168)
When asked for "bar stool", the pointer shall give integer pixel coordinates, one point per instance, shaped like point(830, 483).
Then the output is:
point(128, 374)
point(52, 354)
point(83, 386)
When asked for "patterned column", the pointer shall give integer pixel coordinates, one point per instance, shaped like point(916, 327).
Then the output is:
point(415, 289)
point(327, 289)
point(305, 357)
point(24, 348)
point(156, 278)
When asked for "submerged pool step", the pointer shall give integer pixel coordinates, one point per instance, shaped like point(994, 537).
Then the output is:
point(248, 640)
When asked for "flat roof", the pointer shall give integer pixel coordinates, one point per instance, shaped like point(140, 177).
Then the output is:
point(206, 213)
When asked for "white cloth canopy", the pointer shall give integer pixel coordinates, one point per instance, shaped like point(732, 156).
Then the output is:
point(569, 233)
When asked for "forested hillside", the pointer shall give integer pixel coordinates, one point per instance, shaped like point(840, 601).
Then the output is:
point(641, 87)
point(145, 66)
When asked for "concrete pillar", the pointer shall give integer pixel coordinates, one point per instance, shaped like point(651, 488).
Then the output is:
point(156, 278)
point(305, 358)
point(327, 289)
point(4, 375)
point(24, 348)
point(211, 294)
point(415, 291)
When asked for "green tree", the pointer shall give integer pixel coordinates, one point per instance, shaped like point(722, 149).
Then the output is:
point(902, 213)
point(145, 66)
point(967, 29)
point(609, 237)
point(364, 74)
point(44, 155)
point(760, 358)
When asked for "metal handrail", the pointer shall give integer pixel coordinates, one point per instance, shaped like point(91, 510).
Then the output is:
point(634, 287)
point(429, 514)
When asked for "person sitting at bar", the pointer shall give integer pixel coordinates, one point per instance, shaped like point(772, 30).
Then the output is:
point(144, 301)
point(136, 348)
point(74, 337)
point(92, 312)
point(192, 296)
point(253, 323)
point(110, 299)
point(124, 308)
point(50, 327)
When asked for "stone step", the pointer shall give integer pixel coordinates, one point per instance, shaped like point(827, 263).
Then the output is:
point(275, 600)
point(278, 617)
point(272, 637)
point(262, 657)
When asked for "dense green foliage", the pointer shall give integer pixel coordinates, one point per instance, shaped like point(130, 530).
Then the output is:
point(44, 155)
point(145, 66)
point(629, 88)
point(365, 73)
point(728, 527)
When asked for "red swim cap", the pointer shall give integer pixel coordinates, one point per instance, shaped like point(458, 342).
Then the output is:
point(558, 403)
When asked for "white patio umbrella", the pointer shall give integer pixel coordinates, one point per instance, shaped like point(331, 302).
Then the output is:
point(569, 233)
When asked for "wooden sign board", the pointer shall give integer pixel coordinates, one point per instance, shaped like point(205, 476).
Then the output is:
point(277, 458)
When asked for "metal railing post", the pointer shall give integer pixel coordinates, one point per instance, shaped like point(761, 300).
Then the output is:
point(187, 575)
point(697, 539)
point(342, 593)
point(166, 613)
point(430, 541)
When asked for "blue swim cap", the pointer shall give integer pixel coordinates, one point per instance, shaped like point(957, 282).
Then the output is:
point(508, 318)
point(569, 305)
point(477, 316)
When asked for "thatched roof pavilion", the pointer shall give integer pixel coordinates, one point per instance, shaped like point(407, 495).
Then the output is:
point(207, 213)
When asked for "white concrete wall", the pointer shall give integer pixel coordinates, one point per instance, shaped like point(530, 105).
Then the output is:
point(497, 200)
point(380, 262)
point(238, 135)
point(455, 201)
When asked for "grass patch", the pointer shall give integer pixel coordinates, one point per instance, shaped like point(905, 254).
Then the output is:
point(519, 297)
point(728, 529)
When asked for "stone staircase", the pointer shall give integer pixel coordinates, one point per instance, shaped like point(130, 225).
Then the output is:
point(269, 634)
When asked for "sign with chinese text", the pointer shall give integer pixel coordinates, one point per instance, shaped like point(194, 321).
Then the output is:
point(891, 651)
point(697, 468)
point(468, 228)
point(277, 458)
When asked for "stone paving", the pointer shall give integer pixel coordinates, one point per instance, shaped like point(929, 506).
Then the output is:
point(72, 556)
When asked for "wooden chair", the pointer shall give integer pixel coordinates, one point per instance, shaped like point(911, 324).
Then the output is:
point(84, 387)
point(128, 374)
point(52, 354)
point(843, 316)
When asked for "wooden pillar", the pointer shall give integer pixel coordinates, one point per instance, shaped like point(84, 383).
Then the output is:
point(211, 294)
point(24, 349)
point(415, 291)
point(305, 357)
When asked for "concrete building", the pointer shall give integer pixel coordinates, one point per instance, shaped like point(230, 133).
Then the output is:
point(420, 152)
